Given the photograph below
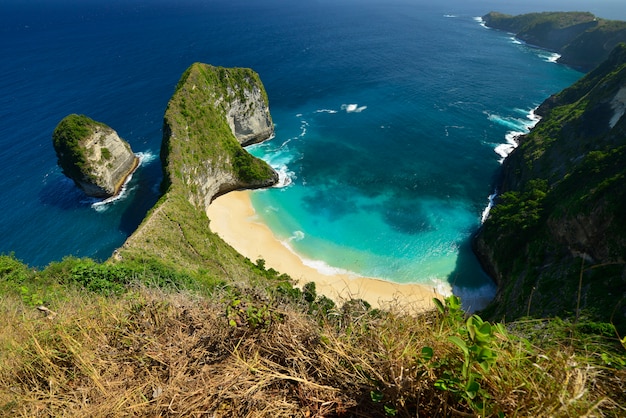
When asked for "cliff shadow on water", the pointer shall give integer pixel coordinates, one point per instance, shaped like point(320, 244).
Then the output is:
point(478, 288)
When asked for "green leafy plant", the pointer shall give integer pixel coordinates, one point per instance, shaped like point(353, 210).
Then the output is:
point(248, 314)
point(478, 345)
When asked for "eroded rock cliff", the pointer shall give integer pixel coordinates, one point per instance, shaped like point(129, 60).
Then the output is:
point(212, 114)
point(93, 155)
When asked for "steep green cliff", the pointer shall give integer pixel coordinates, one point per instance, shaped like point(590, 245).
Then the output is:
point(582, 39)
point(202, 158)
point(556, 240)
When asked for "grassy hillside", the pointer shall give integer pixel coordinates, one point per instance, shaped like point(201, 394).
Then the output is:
point(178, 324)
point(150, 340)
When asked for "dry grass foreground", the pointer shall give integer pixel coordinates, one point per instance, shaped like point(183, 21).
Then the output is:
point(152, 353)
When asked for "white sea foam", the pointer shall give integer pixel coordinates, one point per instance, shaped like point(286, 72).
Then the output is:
point(303, 126)
point(326, 111)
point(450, 16)
point(146, 157)
point(319, 265)
point(516, 41)
point(452, 127)
point(554, 57)
point(285, 177)
point(480, 20)
point(441, 287)
point(353, 108)
point(503, 150)
point(101, 205)
point(512, 123)
point(326, 269)
point(518, 127)
point(487, 209)
point(297, 236)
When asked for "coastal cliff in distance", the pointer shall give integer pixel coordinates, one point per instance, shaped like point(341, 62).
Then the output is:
point(556, 240)
point(93, 155)
point(212, 113)
point(582, 39)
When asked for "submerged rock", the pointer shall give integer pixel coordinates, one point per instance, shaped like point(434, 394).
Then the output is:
point(93, 155)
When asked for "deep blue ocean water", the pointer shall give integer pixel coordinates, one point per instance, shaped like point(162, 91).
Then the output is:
point(387, 115)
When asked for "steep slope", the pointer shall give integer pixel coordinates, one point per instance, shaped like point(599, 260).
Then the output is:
point(212, 112)
point(556, 241)
point(582, 40)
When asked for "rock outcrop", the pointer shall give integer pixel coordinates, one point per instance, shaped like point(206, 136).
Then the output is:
point(248, 115)
point(582, 40)
point(556, 240)
point(214, 112)
point(93, 155)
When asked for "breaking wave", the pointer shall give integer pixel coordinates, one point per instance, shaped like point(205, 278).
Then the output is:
point(353, 108)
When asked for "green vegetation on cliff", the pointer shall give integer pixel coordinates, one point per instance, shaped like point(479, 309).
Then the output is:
point(556, 240)
point(66, 140)
point(582, 40)
point(201, 159)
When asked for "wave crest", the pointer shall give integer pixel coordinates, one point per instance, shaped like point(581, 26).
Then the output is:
point(353, 108)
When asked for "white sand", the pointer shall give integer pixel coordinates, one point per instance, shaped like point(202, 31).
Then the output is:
point(233, 218)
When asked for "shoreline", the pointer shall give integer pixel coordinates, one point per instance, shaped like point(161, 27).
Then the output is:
point(234, 219)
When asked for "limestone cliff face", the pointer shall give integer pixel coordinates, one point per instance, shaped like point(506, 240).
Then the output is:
point(558, 231)
point(93, 155)
point(213, 112)
point(248, 115)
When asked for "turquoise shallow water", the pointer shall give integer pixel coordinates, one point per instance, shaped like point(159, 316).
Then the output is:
point(387, 116)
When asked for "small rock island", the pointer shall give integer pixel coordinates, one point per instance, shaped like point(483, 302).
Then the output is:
point(93, 155)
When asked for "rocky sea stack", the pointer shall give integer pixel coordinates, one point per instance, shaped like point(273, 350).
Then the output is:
point(93, 155)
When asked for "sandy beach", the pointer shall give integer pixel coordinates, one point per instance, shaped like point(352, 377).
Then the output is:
point(233, 218)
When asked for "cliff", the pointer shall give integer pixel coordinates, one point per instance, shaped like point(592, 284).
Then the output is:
point(556, 241)
point(93, 155)
point(582, 40)
point(212, 113)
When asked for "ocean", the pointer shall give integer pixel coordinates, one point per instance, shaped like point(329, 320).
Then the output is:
point(392, 118)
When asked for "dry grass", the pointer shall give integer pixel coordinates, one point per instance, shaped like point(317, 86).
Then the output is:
point(155, 354)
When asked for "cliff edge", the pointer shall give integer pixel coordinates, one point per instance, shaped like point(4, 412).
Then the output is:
point(93, 155)
point(555, 242)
